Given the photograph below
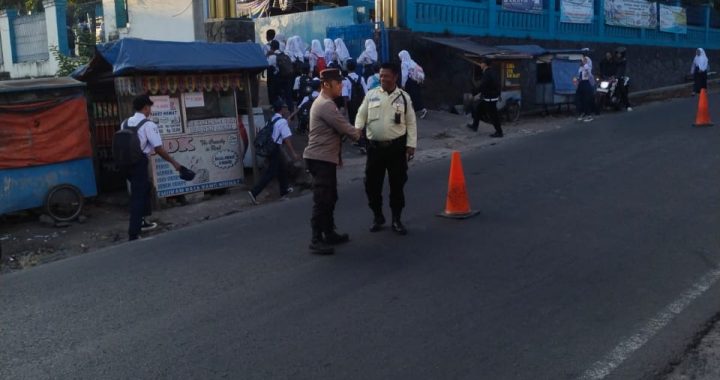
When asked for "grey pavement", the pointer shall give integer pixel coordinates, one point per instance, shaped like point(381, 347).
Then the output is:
point(595, 256)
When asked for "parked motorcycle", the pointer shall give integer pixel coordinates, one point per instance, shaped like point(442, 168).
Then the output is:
point(608, 91)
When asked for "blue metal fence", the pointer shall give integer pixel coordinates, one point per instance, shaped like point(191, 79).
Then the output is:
point(482, 17)
point(354, 37)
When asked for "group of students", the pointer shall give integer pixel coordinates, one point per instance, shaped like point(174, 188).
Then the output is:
point(293, 76)
point(611, 67)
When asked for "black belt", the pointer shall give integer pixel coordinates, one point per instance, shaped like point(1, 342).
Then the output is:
point(387, 143)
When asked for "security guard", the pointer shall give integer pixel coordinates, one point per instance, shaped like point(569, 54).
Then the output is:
point(322, 156)
point(388, 115)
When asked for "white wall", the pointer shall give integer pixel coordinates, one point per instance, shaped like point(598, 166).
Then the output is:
point(30, 69)
point(166, 20)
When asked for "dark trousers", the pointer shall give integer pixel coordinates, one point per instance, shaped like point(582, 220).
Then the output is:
point(391, 159)
point(487, 112)
point(140, 193)
point(325, 195)
point(623, 92)
point(415, 91)
point(700, 78)
point(275, 168)
point(584, 98)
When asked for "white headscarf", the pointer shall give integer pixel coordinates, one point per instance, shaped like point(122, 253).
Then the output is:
point(407, 64)
point(700, 61)
point(280, 38)
point(329, 50)
point(295, 49)
point(341, 50)
point(369, 55)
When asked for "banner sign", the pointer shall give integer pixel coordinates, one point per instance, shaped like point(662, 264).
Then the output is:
point(576, 11)
point(223, 124)
point(166, 114)
point(631, 13)
point(673, 19)
point(530, 6)
point(216, 160)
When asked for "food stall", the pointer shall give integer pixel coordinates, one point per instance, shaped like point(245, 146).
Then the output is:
point(46, 157)
point(199, 92)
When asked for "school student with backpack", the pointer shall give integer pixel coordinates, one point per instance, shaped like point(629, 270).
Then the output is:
point(138, 139)
point(303, 110)
point(283, 74)
point(268, 143)
point(356, 92)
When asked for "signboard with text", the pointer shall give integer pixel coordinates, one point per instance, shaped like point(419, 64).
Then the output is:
point(576, 11)
point(166, 114)
point(631, 13)
point(216, 160)
point(673, 19)
point(531, 6)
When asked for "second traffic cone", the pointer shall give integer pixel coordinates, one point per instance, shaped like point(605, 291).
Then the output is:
point(457, 205)
point(703, 113)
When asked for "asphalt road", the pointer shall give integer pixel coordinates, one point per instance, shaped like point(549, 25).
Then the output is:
point(595, 256)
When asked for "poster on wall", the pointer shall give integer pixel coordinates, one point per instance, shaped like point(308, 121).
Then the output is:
point(576, 11)
point(216, 160)
point(631, 13)
point(166, 114)
point(673, 19)
point(531, 6)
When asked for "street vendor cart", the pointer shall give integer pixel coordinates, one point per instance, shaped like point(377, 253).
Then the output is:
point(200, 91)
point(46, 157)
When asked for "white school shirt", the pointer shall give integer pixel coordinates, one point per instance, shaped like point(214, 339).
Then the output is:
point(306, 99)
point(281, 129)
point(148, 134)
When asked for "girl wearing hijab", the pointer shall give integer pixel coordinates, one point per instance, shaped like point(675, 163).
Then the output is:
point(316, 57)
point(412, 76)
point(368, 58)
point(699, 70)
point(330, 55)
point(342, 52)
point(282, 40)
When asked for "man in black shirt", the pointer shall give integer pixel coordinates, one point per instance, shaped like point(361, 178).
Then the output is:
point(608, 66)
point(486, 108)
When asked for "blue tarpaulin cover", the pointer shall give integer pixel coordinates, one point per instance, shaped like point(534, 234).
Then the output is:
point(563, 71)
point(136, 55)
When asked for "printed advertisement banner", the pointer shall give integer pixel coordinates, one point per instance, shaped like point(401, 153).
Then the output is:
point(166, 114)
point(576, 11)
point(673, 19)
point(531, 6)
point(631, 13)
point(216, 160)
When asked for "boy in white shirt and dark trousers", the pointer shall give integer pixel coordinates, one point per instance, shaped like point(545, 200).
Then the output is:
point(276, 162)
point(138, 174)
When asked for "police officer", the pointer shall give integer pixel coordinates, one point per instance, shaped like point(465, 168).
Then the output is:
point(388, 117)
point(489, 88)
point(322, 156)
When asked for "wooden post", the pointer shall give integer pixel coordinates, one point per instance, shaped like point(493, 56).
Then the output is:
point(251, 127)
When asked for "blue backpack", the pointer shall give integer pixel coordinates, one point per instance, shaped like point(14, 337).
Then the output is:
point(265, 146)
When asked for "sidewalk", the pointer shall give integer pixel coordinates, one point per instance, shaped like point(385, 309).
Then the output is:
point(27, 241)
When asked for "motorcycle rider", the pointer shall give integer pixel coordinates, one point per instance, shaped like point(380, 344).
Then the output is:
point(623, 80)
point(608, 66)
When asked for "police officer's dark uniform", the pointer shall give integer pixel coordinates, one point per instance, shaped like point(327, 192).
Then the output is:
point(322, 156)
point(486, 109)
point(391, 126)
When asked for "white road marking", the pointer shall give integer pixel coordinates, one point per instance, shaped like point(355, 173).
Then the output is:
point(622, 351)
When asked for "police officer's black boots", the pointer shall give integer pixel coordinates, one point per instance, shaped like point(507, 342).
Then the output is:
point(334, 238)
point(397, 225)
point(318, 245)
point(378, 221)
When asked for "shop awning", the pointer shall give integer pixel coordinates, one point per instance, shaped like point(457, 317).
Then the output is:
point(537, 50)
point(30, 85)
point(473, 48)
point(131, 55)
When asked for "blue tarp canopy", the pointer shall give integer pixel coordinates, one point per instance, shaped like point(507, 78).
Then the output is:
point(130, 55)
point(563, 71)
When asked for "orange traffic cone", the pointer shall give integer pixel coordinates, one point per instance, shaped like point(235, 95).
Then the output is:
point(703, 113)
point(457, 205)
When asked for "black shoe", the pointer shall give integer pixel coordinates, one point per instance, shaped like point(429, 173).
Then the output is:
point(319, 247)
point(471, 127)
point(334, 238)
point(378, 223)
point(398, 228)
point(496, 135)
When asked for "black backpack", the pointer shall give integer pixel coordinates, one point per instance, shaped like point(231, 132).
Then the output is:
point(305, 88)
point(126, 149)
point(357, 93)
point(265, 146)
point(285, 65)
point(304, 112)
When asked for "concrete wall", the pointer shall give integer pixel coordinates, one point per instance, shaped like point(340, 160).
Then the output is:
point(447, 75)
point(43, 68)
point(166, 20)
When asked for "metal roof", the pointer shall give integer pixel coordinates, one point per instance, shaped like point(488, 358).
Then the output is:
point(27, 85)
